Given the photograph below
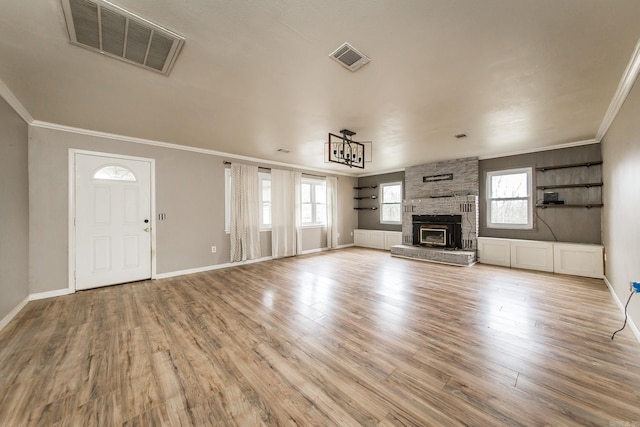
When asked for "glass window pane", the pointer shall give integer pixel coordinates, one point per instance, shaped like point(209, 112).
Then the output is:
point(509, 212)
point(321, 193)
point(306, 213)
point(391, 194)
point(391, 213)
point(266, 214)
point(321, 213)
point(114, 173)
point(266, 190)
point(306, 193)
point(512, 185)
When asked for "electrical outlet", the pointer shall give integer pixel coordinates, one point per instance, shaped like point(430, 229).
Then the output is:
point(213, 249)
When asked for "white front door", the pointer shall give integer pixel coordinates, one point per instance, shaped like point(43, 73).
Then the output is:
point(112, 220)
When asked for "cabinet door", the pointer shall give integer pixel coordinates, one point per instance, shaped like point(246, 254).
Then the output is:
point(579, 260)
point(360, 238)
point(494, 251)
point(532, 255)
point(392, 238)
point(376, 239)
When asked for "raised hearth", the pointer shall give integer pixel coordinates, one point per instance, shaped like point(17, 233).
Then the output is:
point(444, 256)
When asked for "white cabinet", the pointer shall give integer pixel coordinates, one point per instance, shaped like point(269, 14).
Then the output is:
point(494, 251)
point(376, 239)
point(565, 258)
point(532, 255)
point(392, 238)
point(361, 238)
point(580, 260)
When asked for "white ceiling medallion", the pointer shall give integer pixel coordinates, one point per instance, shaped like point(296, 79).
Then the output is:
point(103, 27)
point(349, 57)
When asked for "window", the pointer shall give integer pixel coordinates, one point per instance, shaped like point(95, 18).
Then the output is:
point(114, 173)
point(313, 202)
point(509, 203)
point(264, 190)
point(391, 203)
point(265, 199)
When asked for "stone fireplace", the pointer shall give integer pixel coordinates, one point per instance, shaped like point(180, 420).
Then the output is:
point(440, 212)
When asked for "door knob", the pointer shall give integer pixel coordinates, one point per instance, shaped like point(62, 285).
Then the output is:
point(146, 229)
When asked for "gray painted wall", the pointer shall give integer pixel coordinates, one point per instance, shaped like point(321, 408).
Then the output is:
point(14, 210)
point(577, 225)
point(367, 219)
point(621, 212)
point(189, 190)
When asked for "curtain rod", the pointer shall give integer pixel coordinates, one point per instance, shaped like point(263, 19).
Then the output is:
point(265, 168)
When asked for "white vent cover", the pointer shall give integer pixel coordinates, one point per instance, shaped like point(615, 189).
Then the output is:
point(349, 57)
point(106, 28)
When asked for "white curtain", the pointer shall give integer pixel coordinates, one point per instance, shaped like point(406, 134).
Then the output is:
point(245, 214)
point(286, 226)
point(332, 212)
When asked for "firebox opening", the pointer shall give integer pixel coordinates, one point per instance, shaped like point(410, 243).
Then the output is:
point(443, 231)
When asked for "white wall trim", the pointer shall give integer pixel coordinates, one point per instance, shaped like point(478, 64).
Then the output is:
point(8, 96)
point(50, 294)
point(6, 319)
point(87, 132)
point(620, 305)
point(210, 267)
point(540, 149)
point(313, 251)
point(624, 87)
point(381, 173)
point(348, 245)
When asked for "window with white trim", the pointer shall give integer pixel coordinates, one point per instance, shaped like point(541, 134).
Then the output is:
point(509, 198)
point(265, 200)
point(391, 203)
point(264, 189)
point(313, 202)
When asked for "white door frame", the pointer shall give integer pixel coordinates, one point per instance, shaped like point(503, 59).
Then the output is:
point(72, 208)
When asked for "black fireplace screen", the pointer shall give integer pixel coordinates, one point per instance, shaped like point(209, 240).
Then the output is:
point(438, 230)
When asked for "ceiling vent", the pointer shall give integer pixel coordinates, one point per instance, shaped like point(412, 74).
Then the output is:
point(349, 57)
point(106, 28)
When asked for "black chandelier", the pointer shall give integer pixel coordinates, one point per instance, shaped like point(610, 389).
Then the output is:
point(344, 150)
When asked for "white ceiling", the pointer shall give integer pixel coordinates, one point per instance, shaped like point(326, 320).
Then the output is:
point(255, 76)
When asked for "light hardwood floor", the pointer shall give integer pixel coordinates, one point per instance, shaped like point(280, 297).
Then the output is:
point(346, 337)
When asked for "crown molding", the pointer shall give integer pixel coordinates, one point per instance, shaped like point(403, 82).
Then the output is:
point(8, 96)
point(135, 140)
point(381, 173)
point(540, 149)
point(624, 87)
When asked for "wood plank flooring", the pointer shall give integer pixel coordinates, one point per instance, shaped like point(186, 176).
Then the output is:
point(347, 337)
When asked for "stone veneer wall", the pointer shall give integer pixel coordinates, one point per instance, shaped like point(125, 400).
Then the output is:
point(464, 182)
point(458, 196)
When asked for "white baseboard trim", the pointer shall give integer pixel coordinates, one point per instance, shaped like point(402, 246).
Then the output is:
point(620, 305)
point(5, 321)
point(313, 251)
point(235, 264)
point(210, 267)
point(50, 294)
point(348, 245)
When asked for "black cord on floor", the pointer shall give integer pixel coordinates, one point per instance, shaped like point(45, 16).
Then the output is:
point(625, 314)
